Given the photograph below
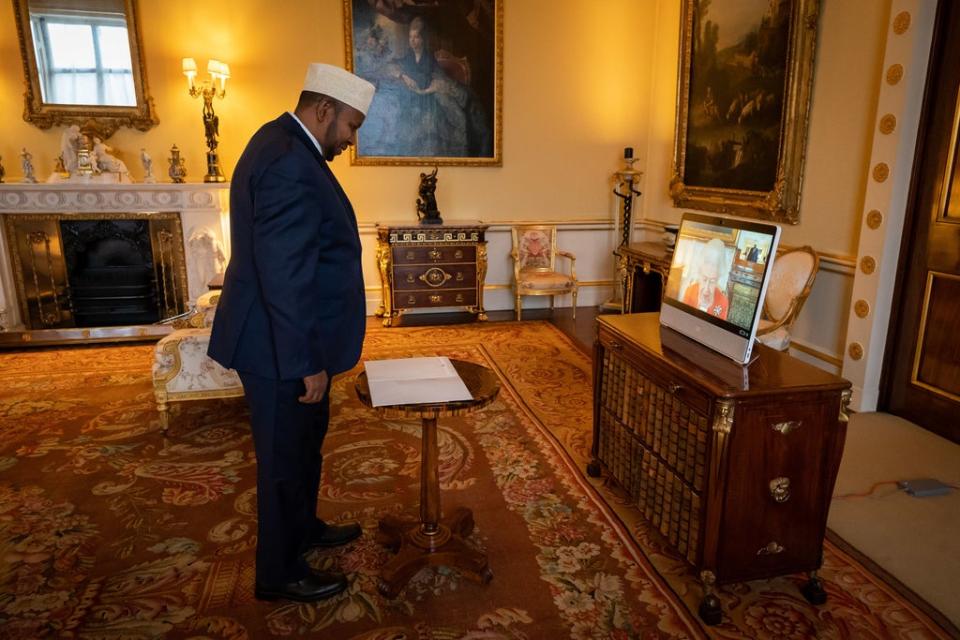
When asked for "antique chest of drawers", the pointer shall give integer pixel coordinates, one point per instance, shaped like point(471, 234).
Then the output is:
point(423, 266)
point(735, 466)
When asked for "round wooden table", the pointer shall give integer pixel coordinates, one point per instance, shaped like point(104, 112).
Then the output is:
point(433, 539)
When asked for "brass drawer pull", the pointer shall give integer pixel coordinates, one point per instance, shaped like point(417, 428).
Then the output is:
point(458, 254)
point(410, 279)
point(787, 427)
point(780, 489)
point(459, 276)
point(411, 300)
point(435, 254)
point(772, 549)
point(435, 277)
point(436, 298)
point(411, 255)
point(459, 297)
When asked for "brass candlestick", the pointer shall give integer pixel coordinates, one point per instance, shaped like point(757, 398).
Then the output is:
point(215, 87)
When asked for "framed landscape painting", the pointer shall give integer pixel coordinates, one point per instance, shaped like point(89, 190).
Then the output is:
point(745, 79)
point(437, 66)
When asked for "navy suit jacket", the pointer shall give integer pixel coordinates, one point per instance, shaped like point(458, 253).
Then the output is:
point(293, 301)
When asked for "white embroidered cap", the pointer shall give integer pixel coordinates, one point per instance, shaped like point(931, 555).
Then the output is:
point(340, 85)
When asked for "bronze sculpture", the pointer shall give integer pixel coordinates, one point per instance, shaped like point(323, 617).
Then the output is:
point(427, 211)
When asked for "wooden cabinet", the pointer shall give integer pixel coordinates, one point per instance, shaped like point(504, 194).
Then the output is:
point(735, 466)
point(645, 267)
point(431, 266)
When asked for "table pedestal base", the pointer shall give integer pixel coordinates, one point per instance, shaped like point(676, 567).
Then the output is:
point(417, 548)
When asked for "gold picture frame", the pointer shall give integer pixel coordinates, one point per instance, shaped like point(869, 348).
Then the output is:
point(743, 108)
point(102, 121)
point(442, 109)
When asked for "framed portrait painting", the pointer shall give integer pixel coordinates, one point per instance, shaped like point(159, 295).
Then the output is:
point(745, 80)
point(437, 66)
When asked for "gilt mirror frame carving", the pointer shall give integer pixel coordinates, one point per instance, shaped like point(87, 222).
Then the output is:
point(781, 201)
point(102, 121)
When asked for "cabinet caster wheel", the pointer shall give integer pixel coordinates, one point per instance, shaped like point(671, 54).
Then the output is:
point(710, 610)
point(813, 591)
point(593, 469)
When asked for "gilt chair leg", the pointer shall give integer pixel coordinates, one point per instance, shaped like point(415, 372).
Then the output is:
point(517, 306)
point(574, 304)
point(551, 304)
point(164, 410)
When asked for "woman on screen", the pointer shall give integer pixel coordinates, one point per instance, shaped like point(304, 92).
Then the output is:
point(703, 293)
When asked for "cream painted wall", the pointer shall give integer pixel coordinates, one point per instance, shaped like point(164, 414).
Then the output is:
point(576, 77)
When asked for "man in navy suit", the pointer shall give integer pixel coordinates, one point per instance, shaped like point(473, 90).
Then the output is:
point(292, 315)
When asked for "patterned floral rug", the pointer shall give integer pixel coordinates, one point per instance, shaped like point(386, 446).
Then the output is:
point(108, 529)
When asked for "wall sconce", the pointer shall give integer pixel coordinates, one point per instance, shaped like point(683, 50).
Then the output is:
point(215, 87)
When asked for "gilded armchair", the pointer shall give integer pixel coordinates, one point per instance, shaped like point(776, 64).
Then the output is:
point(535, 271)
point(790, 283)
point(181, 368)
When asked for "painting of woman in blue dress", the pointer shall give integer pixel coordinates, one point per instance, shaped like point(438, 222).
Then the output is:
point(435, 68)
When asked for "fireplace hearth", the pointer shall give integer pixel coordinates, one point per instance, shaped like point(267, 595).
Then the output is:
point(97, 270)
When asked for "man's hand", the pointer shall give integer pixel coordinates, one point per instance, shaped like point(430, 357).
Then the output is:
point(316, 386)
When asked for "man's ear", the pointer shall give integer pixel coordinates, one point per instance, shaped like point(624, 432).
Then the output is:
point(326, 110)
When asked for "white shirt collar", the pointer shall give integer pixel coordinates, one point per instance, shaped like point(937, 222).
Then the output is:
point(307, 131)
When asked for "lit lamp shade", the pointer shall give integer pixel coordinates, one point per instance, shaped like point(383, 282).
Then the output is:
point(218, 71)
point(190, 69)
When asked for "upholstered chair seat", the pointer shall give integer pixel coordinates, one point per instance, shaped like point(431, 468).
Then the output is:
point(551, 280)
point(535, 271)
point(790, 283)
point(181, 368)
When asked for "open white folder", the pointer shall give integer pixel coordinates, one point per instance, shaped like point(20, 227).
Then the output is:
point(414, 381)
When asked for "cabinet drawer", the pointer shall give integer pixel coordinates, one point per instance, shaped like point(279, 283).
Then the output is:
point(439, 298)
point(441, 276)
point(434, 254)
point(778, 485)
point(666, 379)
point(661, 418)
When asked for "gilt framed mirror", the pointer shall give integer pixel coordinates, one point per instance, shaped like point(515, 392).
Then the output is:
point(83, 64)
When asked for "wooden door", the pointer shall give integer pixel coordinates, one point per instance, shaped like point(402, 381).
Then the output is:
point(922, 372)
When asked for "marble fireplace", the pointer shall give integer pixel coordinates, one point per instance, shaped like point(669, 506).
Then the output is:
point(91, 261)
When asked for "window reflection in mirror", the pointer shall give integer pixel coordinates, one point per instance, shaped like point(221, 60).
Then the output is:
point(82, 50)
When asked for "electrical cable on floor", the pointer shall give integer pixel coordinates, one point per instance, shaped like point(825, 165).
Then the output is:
point(873, 488)
point(869, 492)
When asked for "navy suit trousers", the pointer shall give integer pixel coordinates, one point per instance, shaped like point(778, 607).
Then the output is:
point(287, 437)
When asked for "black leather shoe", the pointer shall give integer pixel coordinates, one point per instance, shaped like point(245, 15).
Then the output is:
point(319, 586)
point(334, 535)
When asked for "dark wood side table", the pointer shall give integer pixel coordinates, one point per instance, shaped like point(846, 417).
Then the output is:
point(433, 539)
point(424, 266)
point(646, 266)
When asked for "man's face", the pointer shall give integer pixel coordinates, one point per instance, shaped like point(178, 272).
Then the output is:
point(339, 130)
